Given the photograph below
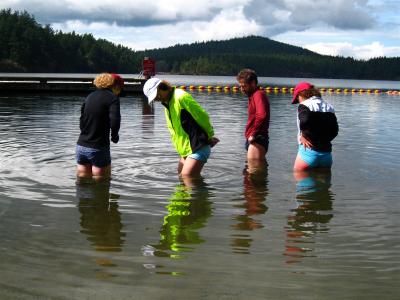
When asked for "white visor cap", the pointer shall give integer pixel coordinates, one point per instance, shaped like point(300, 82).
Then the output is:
point(150, 88)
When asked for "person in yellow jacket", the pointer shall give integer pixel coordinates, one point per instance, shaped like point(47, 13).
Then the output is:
point(189, 124)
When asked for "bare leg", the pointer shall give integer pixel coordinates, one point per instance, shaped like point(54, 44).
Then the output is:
point(180, 165)
point(300, 165)
point(84, 171)
point(192, 167)
point(101, 173)
point(256, 151)
point(256, 166)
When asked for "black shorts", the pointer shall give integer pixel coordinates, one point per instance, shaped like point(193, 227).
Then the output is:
point(261, 140)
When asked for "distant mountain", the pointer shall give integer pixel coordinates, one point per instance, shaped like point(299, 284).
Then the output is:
point(268, 58)
point(26, 46)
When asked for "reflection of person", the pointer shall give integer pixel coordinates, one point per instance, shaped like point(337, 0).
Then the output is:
point(147, 119)
point(188, 123)
point(313, 211)
point(100, 218)
point(257, 138)
point(188, 211)
point(100, 114)
point(255, 191)
point(317, 127)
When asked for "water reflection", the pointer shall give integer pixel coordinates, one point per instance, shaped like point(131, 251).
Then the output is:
point(100, 219)
point(147, 118)
point(312, 214)
point(188, 211)
point(255, 191)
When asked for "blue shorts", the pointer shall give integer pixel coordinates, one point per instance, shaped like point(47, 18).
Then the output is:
point(95, 157)
point(314, 158)
point(202, 154)
point(261, 140)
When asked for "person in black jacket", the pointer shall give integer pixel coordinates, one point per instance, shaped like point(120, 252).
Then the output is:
point(317, 127)
point(100, 115)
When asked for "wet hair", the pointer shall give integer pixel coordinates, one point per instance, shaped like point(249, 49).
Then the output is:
point(308, 93)
point(164, 86)
point(248, 75)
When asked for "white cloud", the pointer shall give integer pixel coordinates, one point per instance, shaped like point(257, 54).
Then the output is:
point(125, 13)
point(228, 24)
point(375, 49)
point(337, 27)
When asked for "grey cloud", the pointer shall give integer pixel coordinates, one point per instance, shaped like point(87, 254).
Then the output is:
point(302, 15)
point(339, 14)
point(58, 12)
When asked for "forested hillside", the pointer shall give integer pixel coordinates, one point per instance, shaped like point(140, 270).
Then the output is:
point(26, 46)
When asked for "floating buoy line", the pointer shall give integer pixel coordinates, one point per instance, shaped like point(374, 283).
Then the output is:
point(284, 90)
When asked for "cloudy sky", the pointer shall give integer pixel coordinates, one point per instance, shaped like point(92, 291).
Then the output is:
point(357, 28)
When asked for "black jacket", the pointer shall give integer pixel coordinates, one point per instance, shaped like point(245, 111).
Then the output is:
point(100, 114)
point(318, 123)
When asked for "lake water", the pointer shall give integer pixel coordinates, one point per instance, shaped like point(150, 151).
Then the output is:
point(147, 235)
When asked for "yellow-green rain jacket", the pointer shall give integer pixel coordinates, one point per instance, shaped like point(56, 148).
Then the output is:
point(188, 123)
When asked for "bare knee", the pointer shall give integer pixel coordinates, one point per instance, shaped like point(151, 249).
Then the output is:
point(101, 172)
point(84, 170)
point(256, 152)
point(192, 167)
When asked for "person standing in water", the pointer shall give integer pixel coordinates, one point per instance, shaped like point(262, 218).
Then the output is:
point(100, 116)
point(257, 126)
point(189, 125)
point(317, 127)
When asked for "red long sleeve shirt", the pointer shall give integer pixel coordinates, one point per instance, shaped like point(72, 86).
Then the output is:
point(258, 115)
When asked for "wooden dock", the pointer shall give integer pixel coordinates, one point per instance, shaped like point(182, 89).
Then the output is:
point(60, 83)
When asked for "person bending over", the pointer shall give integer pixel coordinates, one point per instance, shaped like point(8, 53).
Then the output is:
point(189, 125)
point(100, 116)
point(317, 127)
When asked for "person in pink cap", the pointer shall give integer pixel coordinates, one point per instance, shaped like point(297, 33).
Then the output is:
point(317, 127)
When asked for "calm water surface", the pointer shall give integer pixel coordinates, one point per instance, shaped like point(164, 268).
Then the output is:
point(147, 235)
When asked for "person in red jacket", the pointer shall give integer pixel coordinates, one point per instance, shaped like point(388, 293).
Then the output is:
point(256, 133)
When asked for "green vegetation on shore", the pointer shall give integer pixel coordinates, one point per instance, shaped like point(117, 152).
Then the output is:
point(26, 46)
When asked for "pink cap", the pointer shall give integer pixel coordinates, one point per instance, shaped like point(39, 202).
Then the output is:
point(118, 80)
point(299, 88)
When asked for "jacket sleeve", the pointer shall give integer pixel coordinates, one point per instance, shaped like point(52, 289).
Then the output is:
point(198, 114)
point(115, 117)
point(82, 116)
point(262, 113)
point(304, 117)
